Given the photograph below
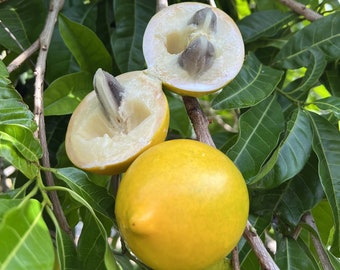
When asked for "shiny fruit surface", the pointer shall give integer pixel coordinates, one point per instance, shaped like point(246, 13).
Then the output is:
point(182, 205)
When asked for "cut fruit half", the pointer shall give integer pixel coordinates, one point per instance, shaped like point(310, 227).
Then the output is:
point(193, 48)
point(106, 133)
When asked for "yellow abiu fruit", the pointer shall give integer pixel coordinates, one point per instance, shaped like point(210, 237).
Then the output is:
point(193, 48)
point(116, 122)
point(182, 205)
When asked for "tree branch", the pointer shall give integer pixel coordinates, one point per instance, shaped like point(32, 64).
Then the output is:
point(198, 119)
point(44, 41)
point(309, 220)
point(17, 62)
point(301, 9)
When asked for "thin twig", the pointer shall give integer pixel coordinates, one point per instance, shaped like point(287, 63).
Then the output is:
point(45, 40)
point(324, 260)
point(266, 261)
point(235, 259)
point(21, 58)
point(301, 9)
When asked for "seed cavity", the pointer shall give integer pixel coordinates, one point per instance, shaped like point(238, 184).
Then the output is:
point(198, 56)
point(109, 93)
point(205, 19)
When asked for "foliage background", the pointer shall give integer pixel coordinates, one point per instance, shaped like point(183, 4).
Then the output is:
point(278, 120)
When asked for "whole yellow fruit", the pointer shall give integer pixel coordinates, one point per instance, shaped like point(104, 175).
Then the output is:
point(182, 204)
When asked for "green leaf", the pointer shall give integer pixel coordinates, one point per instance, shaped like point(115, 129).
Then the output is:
point(294, 254)
point(22, 140)
point(109, 259)
point(99, 199)
point(131, 18)
point(179, 119)
point(289, 201)
point(292, 154)
point(300, 195)
point(326, 144)
point(335, 262)
point(19, 147)
point(16, 16)
point(330, 104)
point(24, 238)
point(263, 24)
point(65, 247)
point(322, 36)
point(91, 245)
point(65, 93)
point(260, 128)
point(86, 47)
point(253, 84)
point(331, 79)
point(315, 68)
point(14, 111)
point(323, 217)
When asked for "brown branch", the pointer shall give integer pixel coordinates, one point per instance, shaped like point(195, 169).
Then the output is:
point(266, 261)
point(17, 62)
point(198, 120)
point(45, 40)
point(301, 9)
point(235, 259)
point(325, 262)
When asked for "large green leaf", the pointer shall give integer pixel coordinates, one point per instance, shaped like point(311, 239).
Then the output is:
point(289, 201)
point(24, 238)
point(65, 246)
point(14, 111)
point(17, 142)
point(91, 245)
point(260, 128)
point(65, 93)
point(263, 24)
point(254, 83)
point(331, 79)
point(86, 47)
point(19, 146)
point(99, 199)
point(322, 35)
point(324, 221)
point(131, 18)
point(291, 155)
point(315, 67)
point(16, 16)
point(108, 258)
point(294, 255)
point(330, 104)
point(326, 144)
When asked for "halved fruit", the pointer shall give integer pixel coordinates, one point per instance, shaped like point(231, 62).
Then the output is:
point(108, 130)
point(193, 48)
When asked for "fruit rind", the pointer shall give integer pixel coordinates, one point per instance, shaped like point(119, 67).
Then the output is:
point(160, 192)
point(163, 42)
point(94, 145)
